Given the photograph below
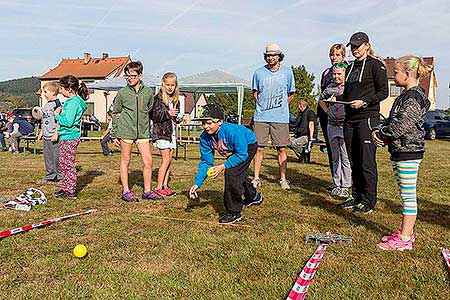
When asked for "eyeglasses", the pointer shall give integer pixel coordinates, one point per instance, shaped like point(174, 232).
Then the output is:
point(269, 55)
point(128, 76)
point(341, 65)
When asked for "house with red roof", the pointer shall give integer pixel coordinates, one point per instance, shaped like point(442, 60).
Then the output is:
point(89, 69)
point(429, 84)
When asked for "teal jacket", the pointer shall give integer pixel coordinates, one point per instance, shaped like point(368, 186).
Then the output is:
point(131, 113)
point(70, 118)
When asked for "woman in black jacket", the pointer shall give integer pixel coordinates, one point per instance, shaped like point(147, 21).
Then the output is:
point(365, 87)
point(164, 115)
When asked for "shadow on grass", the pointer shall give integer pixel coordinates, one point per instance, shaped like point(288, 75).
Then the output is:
point(430, 212)
point(205, 198)
point(310, 186)
point(136, 178)
point(85, 179)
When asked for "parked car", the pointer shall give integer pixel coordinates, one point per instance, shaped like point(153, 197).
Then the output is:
point(26, 114)
point(436, 124)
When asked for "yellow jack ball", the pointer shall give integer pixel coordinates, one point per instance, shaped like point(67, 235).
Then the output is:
point(80, 251)
point(210, 172)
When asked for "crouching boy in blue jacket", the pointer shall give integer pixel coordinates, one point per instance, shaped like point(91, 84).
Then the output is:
point(239, 145)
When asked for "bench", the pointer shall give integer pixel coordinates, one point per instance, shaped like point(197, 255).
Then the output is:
point(27, 140)
point(90, 138)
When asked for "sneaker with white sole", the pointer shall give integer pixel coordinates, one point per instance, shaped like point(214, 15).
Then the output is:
point(256, 182)
point(230, 218)
point(285, 184)
point(257, 200)
point(396, 243)
point(336, 191)
point(345, 193)
point(396, 234)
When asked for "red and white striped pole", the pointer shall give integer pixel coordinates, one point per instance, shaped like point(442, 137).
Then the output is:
point(446, 254)
point(300, 288)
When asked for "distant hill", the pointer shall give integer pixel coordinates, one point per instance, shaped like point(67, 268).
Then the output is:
point(24, 87)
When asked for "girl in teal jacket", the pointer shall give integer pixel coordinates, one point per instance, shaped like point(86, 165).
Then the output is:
point(69, 132)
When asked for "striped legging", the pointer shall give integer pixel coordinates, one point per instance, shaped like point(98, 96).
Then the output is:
point(406, 173)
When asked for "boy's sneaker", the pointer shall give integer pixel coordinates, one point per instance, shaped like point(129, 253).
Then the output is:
point(151, 195)
point(349, 203)
point(285, 184)
point(257, 200)
point(396, 243)
point(336, 191)
point(230, 218)
point(128, 196)
point(256, 182)
point(396, 234)
point(362, 209)
point(344, 193)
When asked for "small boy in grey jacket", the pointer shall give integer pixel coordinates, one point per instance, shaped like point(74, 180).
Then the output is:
point(49, 135)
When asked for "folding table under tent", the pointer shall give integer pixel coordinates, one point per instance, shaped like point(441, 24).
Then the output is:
point(211, 82)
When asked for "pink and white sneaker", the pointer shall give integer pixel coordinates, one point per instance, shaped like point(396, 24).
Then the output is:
point(396, 234)
point(396, 243)
point(168, 191)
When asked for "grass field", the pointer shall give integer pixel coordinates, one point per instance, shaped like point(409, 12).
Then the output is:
point(174, 249)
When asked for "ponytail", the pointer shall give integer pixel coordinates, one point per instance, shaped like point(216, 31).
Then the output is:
point(83, 91)
point(412, 62)
point(71, 82)
point(372, 53)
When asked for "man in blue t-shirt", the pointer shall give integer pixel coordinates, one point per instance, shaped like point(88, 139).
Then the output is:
point(273, 88)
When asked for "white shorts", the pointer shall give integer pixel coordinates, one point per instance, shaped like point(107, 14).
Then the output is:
point(165, 144)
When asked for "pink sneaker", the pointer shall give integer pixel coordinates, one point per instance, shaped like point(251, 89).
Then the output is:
point(169, 192)
point(396, 243)
point(395, 235)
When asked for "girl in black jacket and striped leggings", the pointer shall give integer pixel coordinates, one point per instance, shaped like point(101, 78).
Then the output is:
point(404, 134)
point(365, 87)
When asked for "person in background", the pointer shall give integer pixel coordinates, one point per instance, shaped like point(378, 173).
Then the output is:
point(106, 136)
point(304, 129)
point(273, 88)
point(19, 127)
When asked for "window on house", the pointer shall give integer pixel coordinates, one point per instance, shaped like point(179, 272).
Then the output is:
point(394, 91)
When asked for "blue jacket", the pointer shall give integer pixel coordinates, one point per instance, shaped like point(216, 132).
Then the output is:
point(231, 141)
point(25, 128)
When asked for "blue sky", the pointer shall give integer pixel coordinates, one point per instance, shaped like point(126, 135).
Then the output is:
point(195, 36)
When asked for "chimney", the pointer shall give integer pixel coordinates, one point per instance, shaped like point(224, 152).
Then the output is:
point(87, 58)
point(105, 55)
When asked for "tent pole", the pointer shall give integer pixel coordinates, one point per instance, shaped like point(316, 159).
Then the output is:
point(240, 92)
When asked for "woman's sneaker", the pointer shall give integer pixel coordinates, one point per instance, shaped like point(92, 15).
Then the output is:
point(151, 195)
point(285, 184)
point(256, 182)
point(396, 243)
point(396, 234)
point(128, 196)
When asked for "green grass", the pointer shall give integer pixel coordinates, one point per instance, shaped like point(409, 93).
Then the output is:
point(175, 250)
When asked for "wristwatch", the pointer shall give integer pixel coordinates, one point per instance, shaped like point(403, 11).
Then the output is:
point(365, 104)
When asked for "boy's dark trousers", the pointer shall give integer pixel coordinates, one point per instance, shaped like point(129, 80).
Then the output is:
point(362, 154)
point(51, 158)
point(237, 184)
point(104, 143)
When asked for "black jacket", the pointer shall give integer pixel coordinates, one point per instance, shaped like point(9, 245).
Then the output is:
point(162, 122)
point(302, 124)
point(403, 130)
point(365, 80)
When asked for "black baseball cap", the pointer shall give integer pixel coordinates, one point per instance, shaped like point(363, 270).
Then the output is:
point(209, 112)
point(357, 39)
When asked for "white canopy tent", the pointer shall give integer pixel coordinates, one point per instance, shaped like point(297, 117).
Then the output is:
point(211, 82)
